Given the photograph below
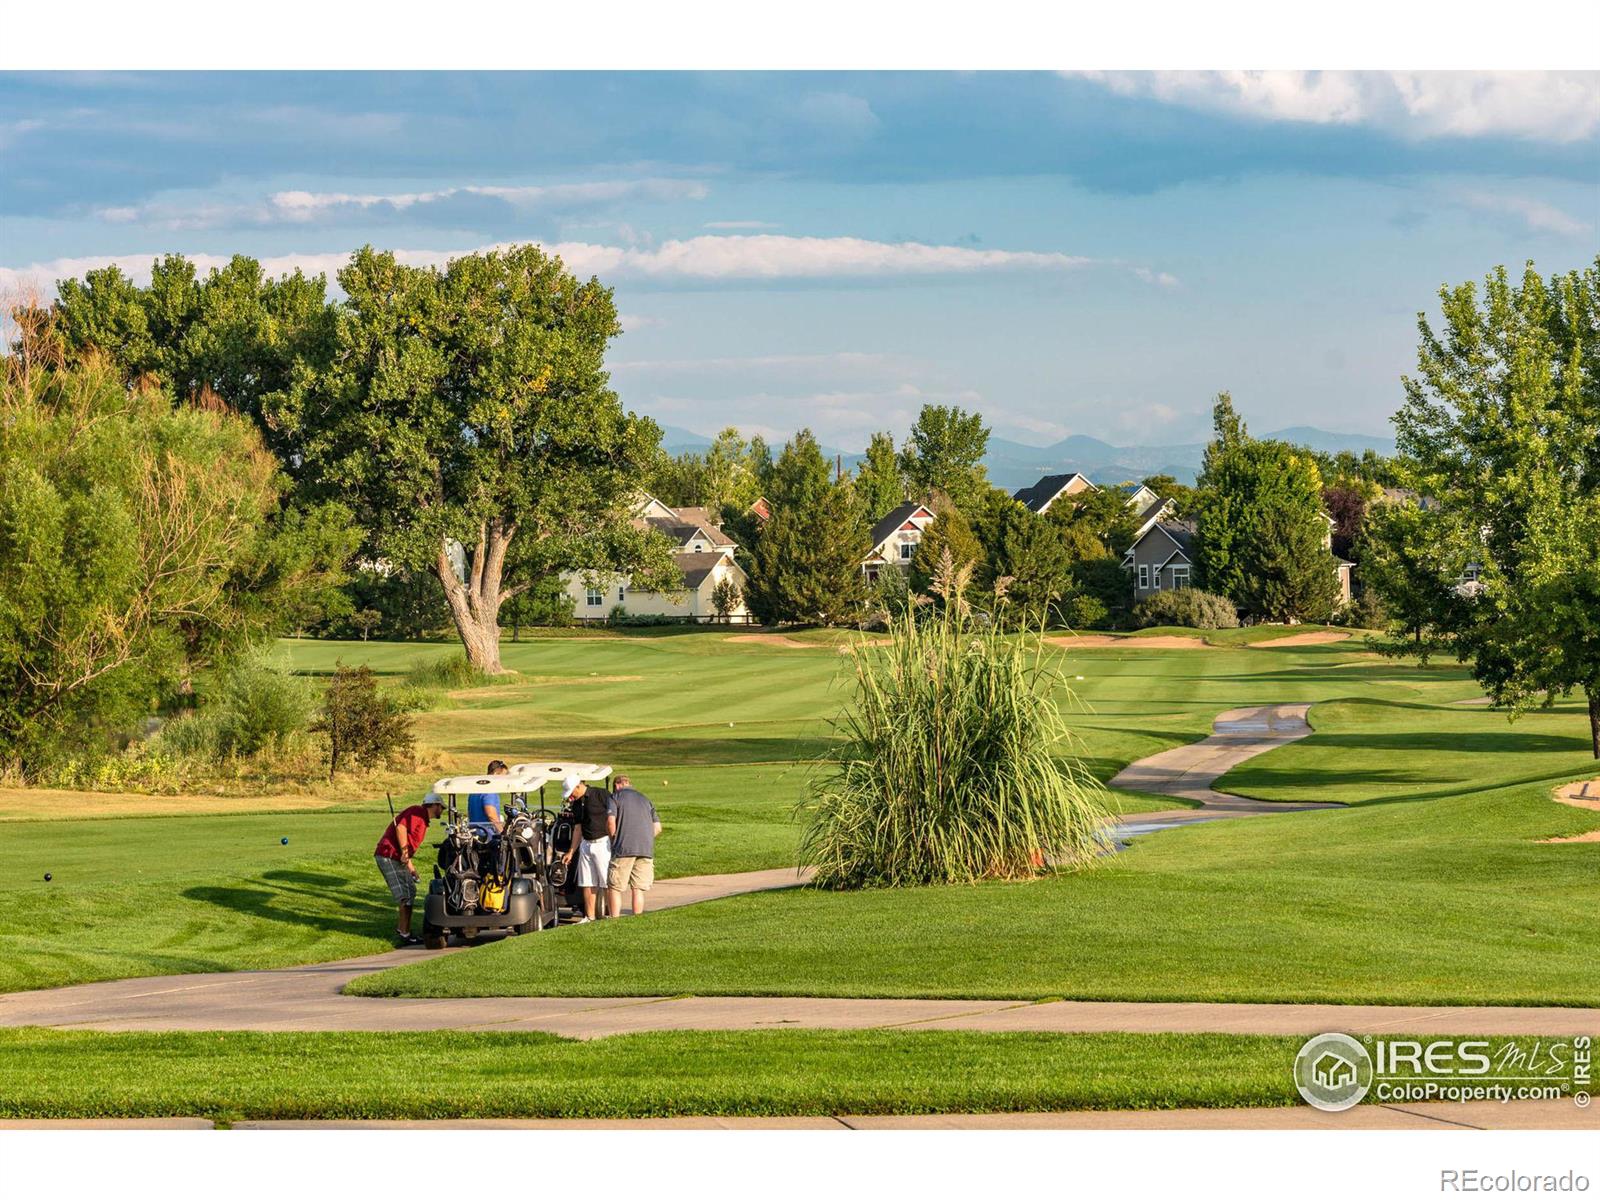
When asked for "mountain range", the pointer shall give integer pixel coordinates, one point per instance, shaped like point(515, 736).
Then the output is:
point(1016, 464)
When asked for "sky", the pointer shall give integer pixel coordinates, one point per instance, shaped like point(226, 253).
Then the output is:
point(1076, 253)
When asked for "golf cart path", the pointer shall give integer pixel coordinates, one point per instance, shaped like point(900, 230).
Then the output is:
point(312, 998)
point(1188, 772)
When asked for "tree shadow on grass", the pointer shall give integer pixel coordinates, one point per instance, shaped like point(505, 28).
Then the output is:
point(338, 907)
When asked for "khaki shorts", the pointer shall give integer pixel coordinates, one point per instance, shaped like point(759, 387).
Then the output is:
point(631, 874)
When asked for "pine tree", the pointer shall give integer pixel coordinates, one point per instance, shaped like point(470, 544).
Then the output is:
point(1260, 531)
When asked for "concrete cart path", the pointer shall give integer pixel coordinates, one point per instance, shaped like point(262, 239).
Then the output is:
point(1188, 772)
point(311, 997)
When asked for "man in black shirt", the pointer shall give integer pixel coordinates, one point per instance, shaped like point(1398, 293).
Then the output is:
point(592, 845)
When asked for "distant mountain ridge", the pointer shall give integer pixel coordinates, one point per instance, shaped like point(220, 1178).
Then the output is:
point(1015, 465)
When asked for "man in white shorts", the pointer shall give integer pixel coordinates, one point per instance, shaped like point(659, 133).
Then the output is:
point(592, 845)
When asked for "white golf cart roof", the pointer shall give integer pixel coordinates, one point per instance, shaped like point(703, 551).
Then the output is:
point(524, 777)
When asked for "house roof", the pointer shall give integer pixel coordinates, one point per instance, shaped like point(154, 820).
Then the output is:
point(895, 518)
point(1151, 509)
point(683, 531)
point(1179, 533)
point(1047, 489)
point(696, 567)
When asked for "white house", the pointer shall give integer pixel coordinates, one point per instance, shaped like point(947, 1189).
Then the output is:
point(895, 538)
point(704, 556)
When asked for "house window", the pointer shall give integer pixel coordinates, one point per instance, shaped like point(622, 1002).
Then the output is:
point(594, 598)
point(1155, 580)
point(1144, 576)
point(907, 549)
point(1470, 575)
point(622, 593)
point(1180, 577)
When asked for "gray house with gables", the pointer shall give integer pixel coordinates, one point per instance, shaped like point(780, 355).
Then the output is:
point(1162, 559)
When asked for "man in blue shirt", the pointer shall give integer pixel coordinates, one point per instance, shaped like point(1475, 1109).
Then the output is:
point(483, 808)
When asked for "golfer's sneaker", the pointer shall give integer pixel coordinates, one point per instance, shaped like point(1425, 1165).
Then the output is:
point(403, 940)
point(583, 920)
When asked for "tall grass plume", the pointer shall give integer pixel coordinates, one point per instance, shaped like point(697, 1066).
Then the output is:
point(951, 765)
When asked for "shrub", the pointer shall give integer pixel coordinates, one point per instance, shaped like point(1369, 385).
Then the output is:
point(949, 767)
point(362, 725)
point(1187, 606)
point(258, 704)
point(1085, 612)
point(451, 671)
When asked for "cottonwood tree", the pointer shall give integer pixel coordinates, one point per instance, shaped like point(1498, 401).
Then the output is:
point(468, 419)
point(1501, 428)
point(945, 453)
point(879, 481)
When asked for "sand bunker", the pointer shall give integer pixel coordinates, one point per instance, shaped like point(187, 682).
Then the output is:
point(1085, 641)
point(1585, 793)
point(1472, 702)
point(774, 639)
point(1319, 637)
point(1168, 642)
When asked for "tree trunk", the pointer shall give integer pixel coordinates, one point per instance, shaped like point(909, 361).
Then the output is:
point(475, 601)
point(1594, 718)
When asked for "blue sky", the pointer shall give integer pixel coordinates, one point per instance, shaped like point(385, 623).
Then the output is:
point(1094, 254)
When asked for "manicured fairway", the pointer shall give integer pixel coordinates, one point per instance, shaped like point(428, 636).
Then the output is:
point(239, 1076)
point(1434, 888)
point(1443, 898)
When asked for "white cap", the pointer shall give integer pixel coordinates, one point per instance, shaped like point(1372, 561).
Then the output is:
point(569, 785)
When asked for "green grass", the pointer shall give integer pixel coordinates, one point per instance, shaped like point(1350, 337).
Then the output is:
point(242, 1076)
point(1433, 887)
point(1440, 859)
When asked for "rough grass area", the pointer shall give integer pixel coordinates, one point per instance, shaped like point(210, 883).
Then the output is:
point(263, 1076)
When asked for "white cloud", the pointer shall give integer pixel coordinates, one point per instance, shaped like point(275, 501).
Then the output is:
point(758, 258)
point(1535, 215)
point(307, 208)
point(631, 321)
point(1554, 106)
point(1159, 278)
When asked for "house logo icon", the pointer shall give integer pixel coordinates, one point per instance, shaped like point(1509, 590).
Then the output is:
point(1333, 1072)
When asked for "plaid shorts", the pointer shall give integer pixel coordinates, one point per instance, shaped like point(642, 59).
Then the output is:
point(402, 883)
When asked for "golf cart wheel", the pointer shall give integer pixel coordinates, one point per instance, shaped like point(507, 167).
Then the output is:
point(433, 938)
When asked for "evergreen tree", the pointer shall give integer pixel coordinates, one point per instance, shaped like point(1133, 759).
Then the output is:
point(949, 530)
point(805, 564)
point(1028, 551)
point(879, 482)
point(1260, 530)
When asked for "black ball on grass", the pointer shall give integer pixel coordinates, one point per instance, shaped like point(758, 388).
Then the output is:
point(48, 877)
point(283, 841)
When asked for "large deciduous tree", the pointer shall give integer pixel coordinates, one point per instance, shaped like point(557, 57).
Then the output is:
point(944, 453)
point(879, 481)
point(1501, 429)
point(468, 419)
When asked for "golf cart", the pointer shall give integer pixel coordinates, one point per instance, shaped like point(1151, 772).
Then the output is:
point(507, 881)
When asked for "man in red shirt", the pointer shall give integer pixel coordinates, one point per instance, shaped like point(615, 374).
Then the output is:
point(395, 849)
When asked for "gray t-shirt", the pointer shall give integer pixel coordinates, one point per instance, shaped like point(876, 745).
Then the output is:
point(636, 825)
